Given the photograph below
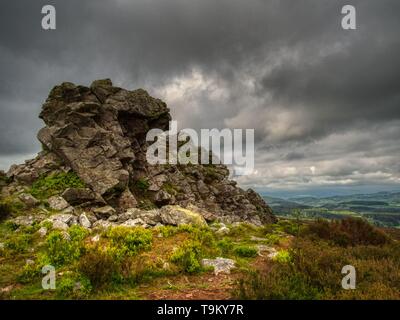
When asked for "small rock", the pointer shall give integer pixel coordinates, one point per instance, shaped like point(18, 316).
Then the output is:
point(84, 221)
point(166, 266)
point(59, 225)
point(135, 223)
point(29, 200)
point(263, 248)
point(29, 262)
point(104, 212)
point(42, 231)
point(69, 210)
point(253, 238)
point(103, 224)
point(113, 218)
point(7, 289)
point(221, 265)
point(96, 238)
point(223, 231)
point(66, 218)
point(57, 203)
point(24, 220)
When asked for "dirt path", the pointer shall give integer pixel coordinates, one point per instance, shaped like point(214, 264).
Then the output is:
point(206, 286)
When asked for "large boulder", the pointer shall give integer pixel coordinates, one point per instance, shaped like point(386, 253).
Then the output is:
point(176, 215)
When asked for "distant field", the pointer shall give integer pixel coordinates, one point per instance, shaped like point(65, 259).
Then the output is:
point(382, 209)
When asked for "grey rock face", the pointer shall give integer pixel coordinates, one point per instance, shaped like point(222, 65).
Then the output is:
point(80, 196)
point(57, 203)
point(104, 212)
point(99, 132)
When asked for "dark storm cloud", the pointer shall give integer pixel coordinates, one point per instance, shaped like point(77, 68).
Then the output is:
point(283, 67)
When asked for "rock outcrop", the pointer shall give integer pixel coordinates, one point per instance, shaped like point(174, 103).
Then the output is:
point(99, 133)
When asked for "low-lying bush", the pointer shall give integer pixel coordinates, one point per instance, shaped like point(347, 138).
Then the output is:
point(348, 232)
point(188, 256)
point(61, 250)
point(99, 266)
point(129, 241)
point(246, 251)
point(73, 286)
point(312, 270)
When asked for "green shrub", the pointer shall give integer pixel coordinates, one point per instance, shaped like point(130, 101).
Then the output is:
point(188, 256)
point(225, 245)
point(168, 231)
point(29, 273)
point(142, 184)
point(129, 241)
point(288, 226)
point(61, 251)
point(99, 266)
point(18, 243)
point(272, 239)
point(246, 251)
point(47, 186)
point(73, 286)
point(283, 256)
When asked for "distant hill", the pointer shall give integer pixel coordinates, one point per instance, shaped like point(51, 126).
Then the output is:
point(381, 208)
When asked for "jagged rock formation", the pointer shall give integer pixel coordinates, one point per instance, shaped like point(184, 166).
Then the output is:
point(99, 133)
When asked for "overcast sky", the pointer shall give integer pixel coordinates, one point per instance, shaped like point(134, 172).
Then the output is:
point(324, 102)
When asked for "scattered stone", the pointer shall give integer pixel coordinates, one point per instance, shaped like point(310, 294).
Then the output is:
point(69, 210)
point(113, 218)
point(253, 238)
point(7, 289)
point(221, 265)
point(223, 231)
point(59, 225)
point(29, 262)
point(84, 221)
point(96, 238)
point(42, 232)
point(28, 220)
point(263, 248)
point(57, 203)
point(104, 212)
point(150, 217)
point(103, 224)
point(135, 223)
point(66, 218)
point(29, 200)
